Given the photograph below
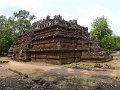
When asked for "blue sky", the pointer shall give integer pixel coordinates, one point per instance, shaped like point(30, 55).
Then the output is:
point(84, 11)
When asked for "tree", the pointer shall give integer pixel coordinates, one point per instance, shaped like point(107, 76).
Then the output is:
point(23, 14)
point(6, 40)
point(100, 28)
point(101, 32)
point(11, 27)
point(108, 42)
point(3, 21)
point(6, 36)
point(117, 42)
point(23, 20)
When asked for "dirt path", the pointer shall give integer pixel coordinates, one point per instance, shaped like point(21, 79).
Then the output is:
point(13, 75)
point(40, 68)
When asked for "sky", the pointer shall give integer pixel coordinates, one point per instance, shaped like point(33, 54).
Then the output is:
point(84, 11)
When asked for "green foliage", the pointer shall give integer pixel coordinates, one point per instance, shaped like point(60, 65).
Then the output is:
point(108, 42)
point(23, 14)
point(117, 42)
point(23, 24)
point(23, 20)
point(100, 28)
point(11, 27)
point(6, 39)
point(101, 32)
point(6, 35)
point(3, 21)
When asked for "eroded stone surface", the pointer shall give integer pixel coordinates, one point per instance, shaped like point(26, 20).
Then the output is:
point(56, 41)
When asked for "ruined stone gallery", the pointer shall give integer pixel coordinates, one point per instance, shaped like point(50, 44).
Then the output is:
point(56, 41)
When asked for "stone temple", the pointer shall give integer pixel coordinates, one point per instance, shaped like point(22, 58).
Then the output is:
point(56, 41)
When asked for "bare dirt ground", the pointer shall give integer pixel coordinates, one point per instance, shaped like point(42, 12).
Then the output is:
point(76, 76)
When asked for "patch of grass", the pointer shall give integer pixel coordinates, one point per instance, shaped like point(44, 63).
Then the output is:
point(53, 77)
point(69, 84)
point(102, 78)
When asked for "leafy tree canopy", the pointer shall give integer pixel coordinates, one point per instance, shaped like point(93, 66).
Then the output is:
point(23, 20)
point(3, 21)
point(100, 28)
point(11, 27)
point(108, 42)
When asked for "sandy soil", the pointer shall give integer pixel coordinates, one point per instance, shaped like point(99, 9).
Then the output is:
point(67, 78)
point(33, 68)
